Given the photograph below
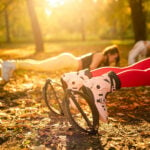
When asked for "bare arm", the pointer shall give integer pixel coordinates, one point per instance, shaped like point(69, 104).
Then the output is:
point(96, 60)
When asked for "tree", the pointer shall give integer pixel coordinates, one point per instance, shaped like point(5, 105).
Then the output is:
point(35, 27)
point(115, 23)
point(4, 9)
point(138, 19)
point(8, 40)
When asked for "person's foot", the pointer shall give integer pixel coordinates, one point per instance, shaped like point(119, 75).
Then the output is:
point(98, 88)
point(8, 68)
point(1, 61)
point(74, 80)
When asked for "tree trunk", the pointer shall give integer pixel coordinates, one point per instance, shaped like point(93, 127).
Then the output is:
point(7, 26)
point(138, 19)
point(35, 27)
point(82, 29)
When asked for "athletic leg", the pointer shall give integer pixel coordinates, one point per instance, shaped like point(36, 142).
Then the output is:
point(134, 78)
point(76, 79)
point(64, 60)
point(99, 87)
point(137, 51)
point(141, 65)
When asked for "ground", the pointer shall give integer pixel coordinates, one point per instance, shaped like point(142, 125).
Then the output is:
point(25, 121)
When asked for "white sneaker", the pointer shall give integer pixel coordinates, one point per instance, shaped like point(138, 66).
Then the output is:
point(99, 88)
point(8, 68)
point(75, 80)
point(1, 61)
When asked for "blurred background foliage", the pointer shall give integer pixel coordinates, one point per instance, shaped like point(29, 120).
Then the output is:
point(61, 20)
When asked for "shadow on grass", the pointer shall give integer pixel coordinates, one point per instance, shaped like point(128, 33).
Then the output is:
point(81, 141)
point(59, 135)
point(131, 105)
point(8, 99)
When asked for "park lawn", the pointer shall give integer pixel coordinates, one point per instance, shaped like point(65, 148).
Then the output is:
point(24, 120)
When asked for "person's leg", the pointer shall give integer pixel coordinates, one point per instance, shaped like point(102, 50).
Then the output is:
point(75, 79)
point(134, 78)
point(142, 65)
point(99, 87)
point(64, 60)
point(137, 51)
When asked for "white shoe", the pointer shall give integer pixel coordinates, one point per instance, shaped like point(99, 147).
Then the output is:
point(75, 80)
point(1, 61)
point(8, 68)
point(99, 88)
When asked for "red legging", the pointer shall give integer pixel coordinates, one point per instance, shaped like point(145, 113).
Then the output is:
point(137, 74)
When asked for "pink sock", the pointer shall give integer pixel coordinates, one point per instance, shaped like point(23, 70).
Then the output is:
point(134, 78)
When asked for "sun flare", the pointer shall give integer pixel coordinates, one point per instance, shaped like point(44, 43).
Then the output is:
point(56, 3)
